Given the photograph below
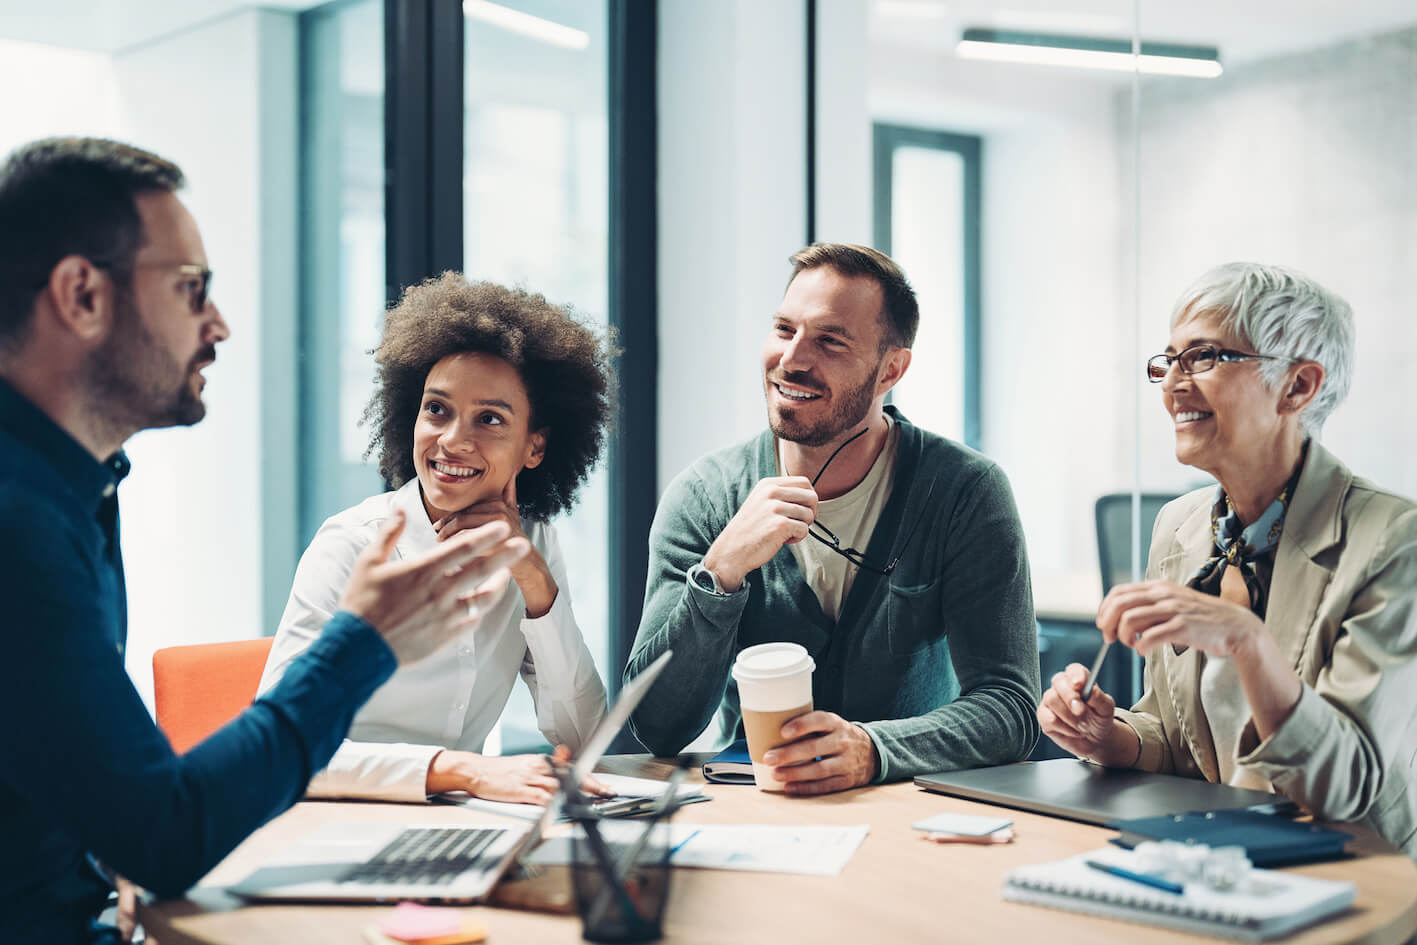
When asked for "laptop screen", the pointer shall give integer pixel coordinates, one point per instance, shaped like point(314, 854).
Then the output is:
point(616, 718)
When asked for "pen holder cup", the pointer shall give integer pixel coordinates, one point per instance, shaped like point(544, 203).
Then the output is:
point(622, 886)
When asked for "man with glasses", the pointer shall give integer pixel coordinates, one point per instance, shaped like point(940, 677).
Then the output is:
point(893, 555)
point(105, 328)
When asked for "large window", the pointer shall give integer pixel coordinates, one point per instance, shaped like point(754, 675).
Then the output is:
point(535, 202)
point(342, 292)
point(521, 150)
point(926, 194)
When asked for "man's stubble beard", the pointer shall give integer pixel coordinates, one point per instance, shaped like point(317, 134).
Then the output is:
point(851, 409)
point(133, 384)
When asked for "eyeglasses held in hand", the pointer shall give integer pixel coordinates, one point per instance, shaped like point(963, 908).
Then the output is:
point(1197, 359)
point(827, 537)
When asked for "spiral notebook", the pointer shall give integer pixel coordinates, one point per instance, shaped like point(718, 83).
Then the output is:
point(1267, 905)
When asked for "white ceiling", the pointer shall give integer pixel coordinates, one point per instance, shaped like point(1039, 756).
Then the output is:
point(111, 25)
point(1243, 30)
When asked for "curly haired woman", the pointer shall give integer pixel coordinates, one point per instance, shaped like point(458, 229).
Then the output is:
point(491, 405)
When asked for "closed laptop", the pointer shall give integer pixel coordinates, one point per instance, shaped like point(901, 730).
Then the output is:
point(1078, 790)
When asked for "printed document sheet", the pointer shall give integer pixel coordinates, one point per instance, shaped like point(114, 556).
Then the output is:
point(817, 850)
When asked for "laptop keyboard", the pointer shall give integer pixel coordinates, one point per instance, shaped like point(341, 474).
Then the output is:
point(426, 856)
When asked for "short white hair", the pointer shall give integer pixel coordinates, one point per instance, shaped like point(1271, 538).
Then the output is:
point(1277, 311)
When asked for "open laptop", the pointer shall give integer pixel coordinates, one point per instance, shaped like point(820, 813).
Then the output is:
point(453, 863)
point(1078, 790)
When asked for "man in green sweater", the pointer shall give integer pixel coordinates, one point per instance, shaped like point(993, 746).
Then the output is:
point(893, 555)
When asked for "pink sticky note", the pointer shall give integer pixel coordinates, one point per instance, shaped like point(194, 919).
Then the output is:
point(412, 922)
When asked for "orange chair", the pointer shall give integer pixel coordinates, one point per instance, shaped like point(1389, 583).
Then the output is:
point(197, 689)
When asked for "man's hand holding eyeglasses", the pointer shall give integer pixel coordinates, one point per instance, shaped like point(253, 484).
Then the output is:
point(777, 512)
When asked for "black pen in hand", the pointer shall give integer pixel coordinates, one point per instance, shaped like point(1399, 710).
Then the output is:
point(1096, 668)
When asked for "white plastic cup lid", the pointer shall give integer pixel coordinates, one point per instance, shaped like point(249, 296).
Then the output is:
point(769, 661)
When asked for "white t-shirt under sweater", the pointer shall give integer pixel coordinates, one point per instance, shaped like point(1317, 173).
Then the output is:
point(852, 517)
point(452, 698)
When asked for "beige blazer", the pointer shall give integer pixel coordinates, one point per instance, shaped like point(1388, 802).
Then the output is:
point(1343, 607)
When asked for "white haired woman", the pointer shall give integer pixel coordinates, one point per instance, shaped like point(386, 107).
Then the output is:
point(1279, 624)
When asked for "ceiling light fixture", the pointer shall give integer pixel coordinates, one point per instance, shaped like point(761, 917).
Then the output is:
point(911, 9)
point(1085, 52)
point(535, 27)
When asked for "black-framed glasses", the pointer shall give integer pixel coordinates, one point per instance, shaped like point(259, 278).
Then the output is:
point(198, 291)
point(828, 538)
point(1197, 359)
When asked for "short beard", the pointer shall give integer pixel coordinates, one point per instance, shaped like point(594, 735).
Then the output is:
point(129, 378)
point(850, 410)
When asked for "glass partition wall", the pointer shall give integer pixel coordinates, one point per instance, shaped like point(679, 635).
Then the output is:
point(1286, 139)
point(1054, 346)
point(1304, 153)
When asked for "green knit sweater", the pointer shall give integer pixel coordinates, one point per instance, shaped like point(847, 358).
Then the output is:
point(938, 661)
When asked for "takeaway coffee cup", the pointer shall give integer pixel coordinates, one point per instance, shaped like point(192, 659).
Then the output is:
point(774, 685)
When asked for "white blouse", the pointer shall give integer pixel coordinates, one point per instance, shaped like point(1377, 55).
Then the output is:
point(452, 698)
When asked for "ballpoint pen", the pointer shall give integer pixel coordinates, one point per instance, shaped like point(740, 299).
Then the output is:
point(1096, 668)
point(681, 844)
point(1146, 879)
point(620, 806)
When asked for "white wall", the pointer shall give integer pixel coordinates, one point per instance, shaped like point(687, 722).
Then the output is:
point(52, 91)
point(208, 512)
point(1308, 161)
point(732, 208)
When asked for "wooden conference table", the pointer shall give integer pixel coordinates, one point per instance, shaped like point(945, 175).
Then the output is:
point(897, 888)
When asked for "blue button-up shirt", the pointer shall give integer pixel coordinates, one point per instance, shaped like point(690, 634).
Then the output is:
point(84, 773)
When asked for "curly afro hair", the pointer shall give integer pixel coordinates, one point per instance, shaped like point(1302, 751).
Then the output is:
point(565, 365)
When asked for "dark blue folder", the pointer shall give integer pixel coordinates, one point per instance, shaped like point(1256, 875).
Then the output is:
point(1269, 840)
point(730, 766)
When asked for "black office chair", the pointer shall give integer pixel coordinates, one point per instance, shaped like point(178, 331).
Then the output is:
point(1114, 533)
point(1061, 643)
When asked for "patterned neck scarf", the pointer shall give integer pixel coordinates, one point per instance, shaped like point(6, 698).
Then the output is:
point(1247, 547)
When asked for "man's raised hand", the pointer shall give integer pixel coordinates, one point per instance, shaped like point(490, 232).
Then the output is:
point(777, 512)
point(420, 603)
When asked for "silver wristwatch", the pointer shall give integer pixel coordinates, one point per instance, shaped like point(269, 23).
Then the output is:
point(706, 579)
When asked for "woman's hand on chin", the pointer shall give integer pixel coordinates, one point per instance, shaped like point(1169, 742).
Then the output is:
point(521, 779)
point(1147, 615)
point(532, 575)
